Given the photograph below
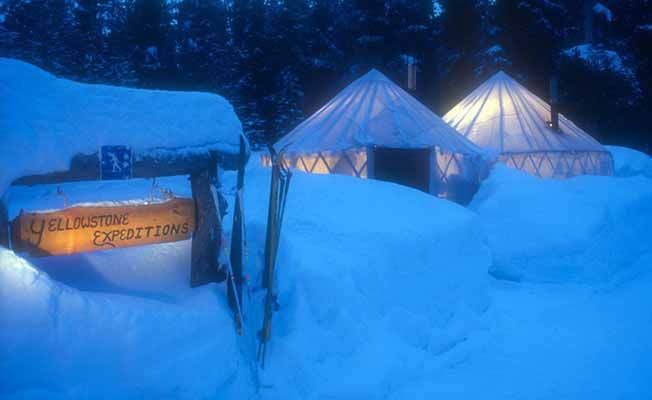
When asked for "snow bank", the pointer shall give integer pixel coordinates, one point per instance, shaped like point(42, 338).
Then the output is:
point(45, 121)
point(122, 323)
point(553, 342)
point(378, 283)
point(383, 292)
point(584, 229)
point(59, 342)
point(630, 162)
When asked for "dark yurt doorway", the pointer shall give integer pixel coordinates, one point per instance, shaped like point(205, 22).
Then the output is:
point(409, 167)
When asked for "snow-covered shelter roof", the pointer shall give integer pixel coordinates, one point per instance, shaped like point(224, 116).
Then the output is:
point(45, 121)
point(373, 111)
point(503, 115)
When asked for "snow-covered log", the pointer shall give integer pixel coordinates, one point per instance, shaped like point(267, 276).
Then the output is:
point(52, 125)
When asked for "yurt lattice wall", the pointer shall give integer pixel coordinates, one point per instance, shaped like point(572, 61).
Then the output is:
point(452, 175)
point(560, 164)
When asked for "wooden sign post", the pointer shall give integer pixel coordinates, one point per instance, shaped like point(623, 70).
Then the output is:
point(80, 229)
point(208, 233)
point(4, 225)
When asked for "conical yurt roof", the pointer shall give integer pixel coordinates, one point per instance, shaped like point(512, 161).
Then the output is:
point(373, 111)
point(503, 115)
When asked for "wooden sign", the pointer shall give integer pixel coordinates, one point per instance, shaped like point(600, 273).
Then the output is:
point(79, 229)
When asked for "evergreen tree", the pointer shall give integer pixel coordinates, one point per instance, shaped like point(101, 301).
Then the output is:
point(606, 85)
point(412, 33)
point(461, 36)
point(278, 60)
point(325, 68)
point(201, 43)
point(41, 33)
point(288, 35)
point(87, 40)
point(251, 79)
point(532, 33)
point(148, 29)
point(370, 45)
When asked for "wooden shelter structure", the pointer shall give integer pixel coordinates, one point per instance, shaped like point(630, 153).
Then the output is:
point(55, 130)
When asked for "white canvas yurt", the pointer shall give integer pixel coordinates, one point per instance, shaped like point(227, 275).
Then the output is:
point(504, 116)
point(374, 129)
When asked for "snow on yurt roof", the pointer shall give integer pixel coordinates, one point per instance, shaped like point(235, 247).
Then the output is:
point(373, 111)
point(503, 115)
point(45, 121)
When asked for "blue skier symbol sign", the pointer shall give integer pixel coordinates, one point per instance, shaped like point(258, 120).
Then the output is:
point(115, 162)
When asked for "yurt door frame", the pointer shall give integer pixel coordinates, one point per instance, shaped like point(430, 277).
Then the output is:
point(409, 167)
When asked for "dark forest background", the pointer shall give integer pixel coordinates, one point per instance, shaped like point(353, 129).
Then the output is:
point(278, 61)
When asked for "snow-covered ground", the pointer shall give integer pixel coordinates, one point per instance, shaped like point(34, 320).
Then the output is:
point(384, 293)
point(585, 229)
point(110, 324)
point(554, 341)
point(376, 283)
point(629, 162)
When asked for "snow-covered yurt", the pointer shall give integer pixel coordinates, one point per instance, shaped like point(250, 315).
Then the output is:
point(504, 116)
point(374, 129)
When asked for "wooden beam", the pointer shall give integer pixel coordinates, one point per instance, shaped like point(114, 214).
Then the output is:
point(234, 292)
point(146, 165)
point(4, 225)
point(207, 239)
point(169, 163)
point(82, 168)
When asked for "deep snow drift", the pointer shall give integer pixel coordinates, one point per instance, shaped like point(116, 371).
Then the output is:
point(375, 280)
point(629, 162)
point(45, 121)
point(61, 342)
point(111, 324)
point(550, 341)
point(377, 283)
point(383, 294)
point(583, 229)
